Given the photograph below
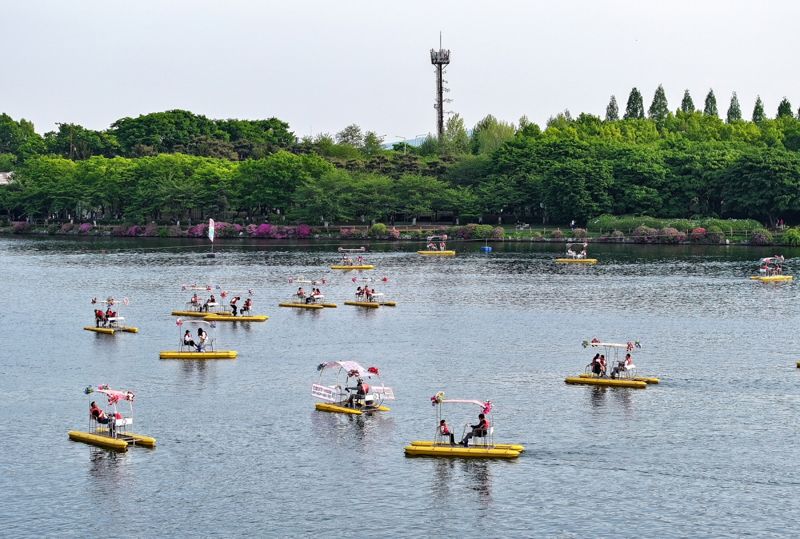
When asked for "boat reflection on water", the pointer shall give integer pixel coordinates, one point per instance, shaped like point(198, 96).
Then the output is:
point(451, 476)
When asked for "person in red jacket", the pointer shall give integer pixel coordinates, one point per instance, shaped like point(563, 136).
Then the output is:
point(444, 430)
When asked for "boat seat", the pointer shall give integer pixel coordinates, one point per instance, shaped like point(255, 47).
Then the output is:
point(486, 438)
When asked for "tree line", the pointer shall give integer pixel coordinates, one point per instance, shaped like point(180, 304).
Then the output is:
point(176, 165)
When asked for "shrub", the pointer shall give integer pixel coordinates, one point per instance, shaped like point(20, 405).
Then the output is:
point(498, 233)
point(378, 230)
point(263, 230)
point(579, 233)
point(134, 230)
point(351, 233)
point(536, 235)
point(618, 235)
point(51, 229)
point(151, 230)
point(557, 234)
point(715, 234)
point(198, 231)
point(394, 234)
point(482, 232)
point(671, 235)
point(698, 234)
point(303, 231)
point(119, 230)
point(163, 232)
point(761, 237)
point(644, 234)
point(251, 230)
point(66, 228)
point(792, 237)
point(85, 228)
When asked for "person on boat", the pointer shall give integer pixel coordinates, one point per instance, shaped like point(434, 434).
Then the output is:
point(623, 366)
point(301, 294)
point(99, 318)
point(478, 431)
point(603, 365)
point(202, 337)
point(444, 430)
point(369, 293)
point(204, 308)
point(359, 293)
point(246, 307)
point(362, 389)
point(442, 246)
point(187, 339)
point(195, 301)
point(97, 413)
point(234, 307)
point(594, 365)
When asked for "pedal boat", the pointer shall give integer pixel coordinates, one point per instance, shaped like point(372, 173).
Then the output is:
point(589, 261)
point(299, 305)
point(111, 331)
point(346, 267)
point(482, 448)
point(121, 439)
point(772, 278)
point(198, 314)
point(338, 398)
point(605, 382)
point(230, 318)
point(209, 354)
point(113, 322)
point(437, 253)
point(626, 369)
point(367, 304)
point(649, 380)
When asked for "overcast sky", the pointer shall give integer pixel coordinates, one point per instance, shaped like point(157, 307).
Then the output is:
point(324, 64)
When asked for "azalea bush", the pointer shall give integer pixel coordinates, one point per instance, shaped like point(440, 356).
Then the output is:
point(644, 234)
point(579, 233)
point(761, 237)
point(671, 235)
point(698, 234)
point(85, 228)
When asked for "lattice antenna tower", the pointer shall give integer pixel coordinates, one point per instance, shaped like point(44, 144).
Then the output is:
point(440, 59)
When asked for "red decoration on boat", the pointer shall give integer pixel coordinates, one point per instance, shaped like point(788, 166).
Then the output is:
point(373, 370)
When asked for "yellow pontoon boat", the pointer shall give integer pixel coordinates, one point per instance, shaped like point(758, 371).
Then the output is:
point(298, 305)
point(482, 434)
point(576, 257)
point(241, 318)
point(437, 246)
point(114, 435)
point(771, 270)
point(623, 371)
point(204, 347)
point(361, 398)
point(349, 262)
point(108, 322)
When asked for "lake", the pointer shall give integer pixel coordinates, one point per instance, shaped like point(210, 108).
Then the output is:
point(710, 451)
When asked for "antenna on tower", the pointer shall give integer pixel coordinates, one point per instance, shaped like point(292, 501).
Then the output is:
point(440, 59)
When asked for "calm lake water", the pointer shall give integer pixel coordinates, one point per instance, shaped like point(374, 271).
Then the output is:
point(241, 451)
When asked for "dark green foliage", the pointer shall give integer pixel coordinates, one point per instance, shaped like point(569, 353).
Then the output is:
point(687, 105)
point(658, 108)
point(785, 109)
point(758, 111)
point(612, 110)
point(734, 110)
point(634, 110)
point(710, 108)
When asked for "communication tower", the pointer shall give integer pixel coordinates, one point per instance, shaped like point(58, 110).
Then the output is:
point(440, 59)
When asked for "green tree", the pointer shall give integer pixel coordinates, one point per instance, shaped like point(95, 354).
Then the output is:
point(351, 135)
point(785, 109)
point(489, 134)
point(373, 144)
point(456, 139)
point(710, 108)
point(758, 111)
point(612, 110)
point(734, 110)
point(687, 105)
point(658, 108)
point(19, 138)
point(635, 106)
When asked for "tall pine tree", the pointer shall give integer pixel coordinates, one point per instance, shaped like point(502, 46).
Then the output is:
point(758, 110)
point(635, 107)
point(687, 105)
point(658, 108)
point(785, 109)
point(612, 110)
point(734, 110)
point(710, 108)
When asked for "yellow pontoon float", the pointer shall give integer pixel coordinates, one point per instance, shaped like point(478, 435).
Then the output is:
point(109, 322)
point(241, 318)
point(113, 434)
point(349, 263)
point(771, 270)
point(623, 371)
point(437, 246)
point(575, 257)
point(313, 300)
point(444, 443)
point(361, 398)
point(367, 297)
point(202, 348)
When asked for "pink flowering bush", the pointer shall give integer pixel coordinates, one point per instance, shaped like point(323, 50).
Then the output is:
point(557, 234)
point(20, 226)
point(134, 230)
point(671, 235)
point(303, 231)
point(498, 233)
point(65, 228)
point(761, 237)
point(579, 233)
point(644, 234)
point(394, 234)
point(698, 234)
point(251, 229)
point(85, 228)
point(198, 231)
point(263, 230)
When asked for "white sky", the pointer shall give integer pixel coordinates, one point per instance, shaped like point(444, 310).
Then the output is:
point(321, 65)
